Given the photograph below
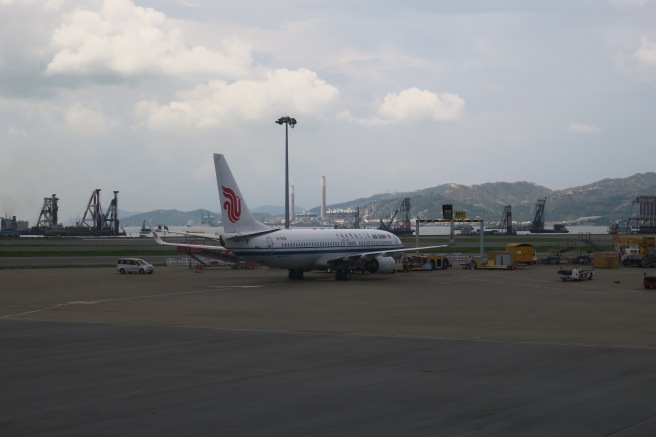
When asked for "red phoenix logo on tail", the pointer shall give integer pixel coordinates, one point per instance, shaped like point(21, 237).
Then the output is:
point(232, 205)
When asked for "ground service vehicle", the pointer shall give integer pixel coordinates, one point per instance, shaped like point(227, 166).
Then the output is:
point(640, 260)
point(134, 265)
point(576, 274)
point(636, 251)
point(425, 262)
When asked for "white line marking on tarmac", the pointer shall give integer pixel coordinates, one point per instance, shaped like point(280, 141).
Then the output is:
point(83, 302)
point(181, 292)
point(237, 286)
point(35, 311)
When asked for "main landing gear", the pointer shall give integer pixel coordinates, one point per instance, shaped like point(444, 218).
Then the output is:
point(295, 274)
point(343, 274)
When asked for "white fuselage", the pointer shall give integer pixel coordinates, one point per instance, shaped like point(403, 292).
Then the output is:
point(312, 248)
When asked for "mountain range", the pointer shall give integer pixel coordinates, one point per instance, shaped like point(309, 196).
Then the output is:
point(595, 203)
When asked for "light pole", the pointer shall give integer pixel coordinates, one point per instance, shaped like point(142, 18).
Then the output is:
point(287, 121)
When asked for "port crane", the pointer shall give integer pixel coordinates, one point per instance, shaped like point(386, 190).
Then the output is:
point(506, 220)
point(386, 226)
point(401, 226)
point(538, 221)
point(93, 217)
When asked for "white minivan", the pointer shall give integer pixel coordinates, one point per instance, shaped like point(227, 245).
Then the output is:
point(134, 265)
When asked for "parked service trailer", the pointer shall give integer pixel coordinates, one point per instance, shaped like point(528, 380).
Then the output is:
point(649, 281)
point(426, 262)
point(575, 274)
point(479, 264)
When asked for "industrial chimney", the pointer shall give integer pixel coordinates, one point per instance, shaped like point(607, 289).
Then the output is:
point(323, 197)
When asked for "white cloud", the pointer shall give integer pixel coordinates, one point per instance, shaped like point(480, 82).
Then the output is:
point(647, 51)
point(517, 138)
point(127, 40)
point(84, 120)
point(639, 63)
point(190, 3)
point(219, 103)
point(15, 132)
point(639, 3)
point(414, 106)
point(582, 128)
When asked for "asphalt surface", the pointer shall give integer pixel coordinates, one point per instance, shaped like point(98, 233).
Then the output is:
point(248, 352)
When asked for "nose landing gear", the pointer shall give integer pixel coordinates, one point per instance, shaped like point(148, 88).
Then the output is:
point(295, 274)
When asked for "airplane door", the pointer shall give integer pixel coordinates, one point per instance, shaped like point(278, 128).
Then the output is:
point(269, 246)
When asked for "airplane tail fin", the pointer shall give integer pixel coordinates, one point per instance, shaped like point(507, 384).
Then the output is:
point(236, 216)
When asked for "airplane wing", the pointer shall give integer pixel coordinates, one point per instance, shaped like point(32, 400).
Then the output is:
point(159, 240)
point(232, 237)
point(370, 255)
point(188, 234)
point(248, 235)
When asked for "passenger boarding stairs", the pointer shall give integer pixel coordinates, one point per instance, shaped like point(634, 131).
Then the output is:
point(556, 254)
point(584, 243)
point(202, 257)
point(587, 239)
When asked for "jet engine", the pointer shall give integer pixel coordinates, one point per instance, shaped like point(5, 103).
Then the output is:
point(381, 264)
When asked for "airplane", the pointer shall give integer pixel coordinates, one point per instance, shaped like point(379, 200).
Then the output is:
point(297, 250)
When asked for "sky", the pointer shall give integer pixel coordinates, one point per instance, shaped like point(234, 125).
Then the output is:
point(136, 95)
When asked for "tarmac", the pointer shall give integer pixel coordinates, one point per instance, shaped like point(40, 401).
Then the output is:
point(88, 351)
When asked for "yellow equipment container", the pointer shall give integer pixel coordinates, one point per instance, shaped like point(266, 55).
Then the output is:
point(606, 260)
point(521, 252)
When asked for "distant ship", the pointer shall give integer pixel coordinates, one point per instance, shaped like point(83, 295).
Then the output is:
point(558, 228)
point(205, 220)
point(145, 230)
